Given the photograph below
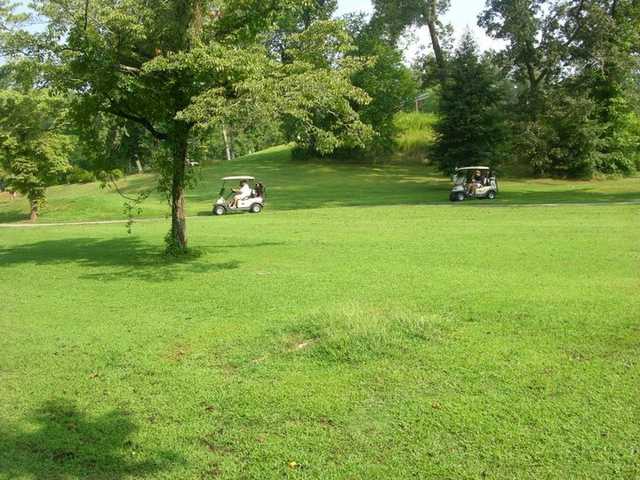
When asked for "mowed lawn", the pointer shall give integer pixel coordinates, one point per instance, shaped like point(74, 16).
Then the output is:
point(294, 185)
point(395, 341)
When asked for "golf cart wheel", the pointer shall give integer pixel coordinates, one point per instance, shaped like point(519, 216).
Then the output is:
point(460, 197)
point(219, 210)
point(491, 195)
point(256, 208)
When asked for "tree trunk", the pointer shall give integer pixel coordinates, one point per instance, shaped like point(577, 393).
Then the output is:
point(437, 48)
point(227, 142)
point(178, 240)
point(33, 217)
point(432, 24)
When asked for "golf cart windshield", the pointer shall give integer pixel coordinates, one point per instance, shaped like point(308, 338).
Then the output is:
point(464, 175)
point(234, 181)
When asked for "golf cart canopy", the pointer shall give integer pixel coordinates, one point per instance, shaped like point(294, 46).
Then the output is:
point(471, 168)
point(241, 177)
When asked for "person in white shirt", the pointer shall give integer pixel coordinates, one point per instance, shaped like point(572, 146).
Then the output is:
point(241, 193)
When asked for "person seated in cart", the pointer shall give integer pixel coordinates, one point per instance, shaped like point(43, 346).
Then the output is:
point(477, 180)
point(241, 193)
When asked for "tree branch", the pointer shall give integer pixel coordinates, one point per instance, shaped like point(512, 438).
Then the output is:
point(117, 110)
point(128, 69)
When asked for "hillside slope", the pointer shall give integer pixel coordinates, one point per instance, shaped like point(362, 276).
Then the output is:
point(309, 184)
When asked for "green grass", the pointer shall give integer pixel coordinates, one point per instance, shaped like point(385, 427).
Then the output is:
point(302, 185)
point(416, 135)
point(397, 341)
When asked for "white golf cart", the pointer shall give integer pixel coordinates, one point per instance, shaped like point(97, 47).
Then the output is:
point(254, 202)
point(473, 182)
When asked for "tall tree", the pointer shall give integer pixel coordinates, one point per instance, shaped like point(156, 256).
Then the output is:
point(296, 20)
point(398, 15)
point(385, 78)
point(536, 44)
point(581, 55)
point(606, 62)
point(33, 151)
point(472, 128)
point(170, 66)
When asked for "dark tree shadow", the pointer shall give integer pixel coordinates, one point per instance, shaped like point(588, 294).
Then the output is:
point(13, 217)
point(576, 196)
point(68, 444)
point(313, 184)
point(123, 257)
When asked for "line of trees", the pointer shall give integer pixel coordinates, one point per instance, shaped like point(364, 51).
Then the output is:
point(562, 97)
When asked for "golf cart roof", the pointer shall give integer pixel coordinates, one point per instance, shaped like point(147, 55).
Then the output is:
point(472, 168)
point(240, 177)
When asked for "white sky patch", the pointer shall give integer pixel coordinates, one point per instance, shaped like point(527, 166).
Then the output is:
point(463, 15)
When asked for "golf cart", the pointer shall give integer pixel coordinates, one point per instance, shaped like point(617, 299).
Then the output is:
point(464, 186)
point(254, 202)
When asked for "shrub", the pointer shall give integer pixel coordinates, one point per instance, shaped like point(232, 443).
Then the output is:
point(79, 175)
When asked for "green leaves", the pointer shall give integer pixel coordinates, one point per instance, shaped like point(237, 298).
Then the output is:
point(33, 150)
point(576, 64)
point(472, 129)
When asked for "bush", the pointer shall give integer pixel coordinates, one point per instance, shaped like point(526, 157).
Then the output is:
point(79, 175)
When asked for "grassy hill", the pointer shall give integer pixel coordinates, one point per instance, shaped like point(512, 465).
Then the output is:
point(303, 185)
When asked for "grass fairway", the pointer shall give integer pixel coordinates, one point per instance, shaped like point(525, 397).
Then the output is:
point(391, 342)
point(294, 185)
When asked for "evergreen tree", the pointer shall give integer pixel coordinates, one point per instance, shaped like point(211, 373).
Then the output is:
point(472, 129)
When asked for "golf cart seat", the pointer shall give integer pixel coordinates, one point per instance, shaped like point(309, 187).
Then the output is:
point(259, 191)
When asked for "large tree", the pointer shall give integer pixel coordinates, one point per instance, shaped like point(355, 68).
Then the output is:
point(34, 151)
point(296, 20)
point(169, 66)
point(472, 128)
point(576, 64)
point(605, 57)
point(398, 15)
point(536, 44)
point(386, 79)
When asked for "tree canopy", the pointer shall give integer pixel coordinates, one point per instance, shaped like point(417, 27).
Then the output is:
point(171, 66)
point(576, 67)
point(472, 128)
point(34, 150)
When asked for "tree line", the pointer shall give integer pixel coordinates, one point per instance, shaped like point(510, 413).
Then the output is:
point(561, 98)
point(108, 86)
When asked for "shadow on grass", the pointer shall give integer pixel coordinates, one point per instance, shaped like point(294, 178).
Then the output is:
point(312, 184)
point(575, 196)
point(13, 216)
point(357, 191)
point(125, 257)
point(68, 444)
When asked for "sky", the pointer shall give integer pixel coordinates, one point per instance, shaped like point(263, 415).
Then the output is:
point(462, 15)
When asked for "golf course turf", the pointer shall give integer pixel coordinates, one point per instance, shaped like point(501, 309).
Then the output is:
point(321, 340)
